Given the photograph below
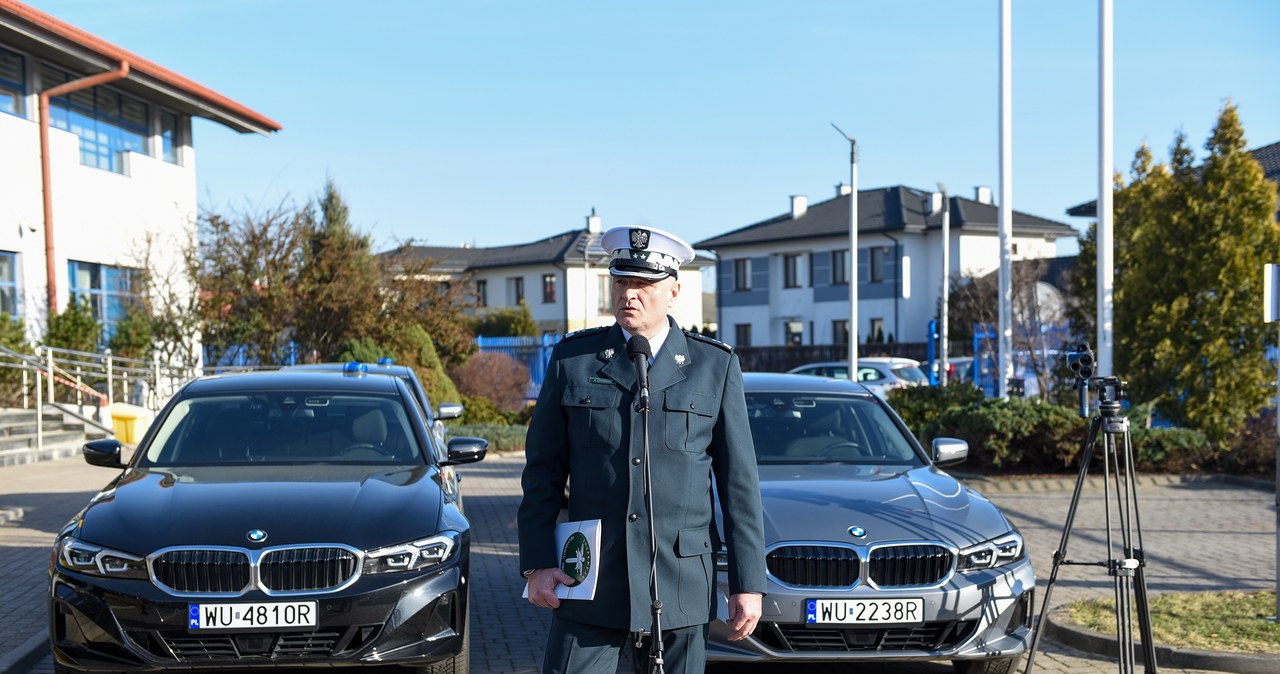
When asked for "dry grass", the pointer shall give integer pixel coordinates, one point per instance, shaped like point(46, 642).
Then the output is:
point(1208, 621)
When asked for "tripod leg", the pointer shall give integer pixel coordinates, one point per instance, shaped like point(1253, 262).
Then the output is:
point(1140, 577)
point(1061, 553)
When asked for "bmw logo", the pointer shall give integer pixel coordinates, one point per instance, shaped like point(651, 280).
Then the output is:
point(256, 535)
point(857, 532)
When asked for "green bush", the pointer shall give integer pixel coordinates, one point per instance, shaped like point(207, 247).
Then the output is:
point(919, 405)
point(1171, 450)
point(1015, 434)
point(479, 410)
point(501, 437)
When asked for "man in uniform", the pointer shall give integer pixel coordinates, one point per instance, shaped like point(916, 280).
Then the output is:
point(587, 431)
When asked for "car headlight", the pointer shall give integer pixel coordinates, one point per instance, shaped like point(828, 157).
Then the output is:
point(412, 556)
point(993, 553)
point(95, 560)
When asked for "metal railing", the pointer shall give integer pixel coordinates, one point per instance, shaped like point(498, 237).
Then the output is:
point(71, 380)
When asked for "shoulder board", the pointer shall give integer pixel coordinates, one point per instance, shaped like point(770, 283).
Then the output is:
point(583, 333)
point(709, 340)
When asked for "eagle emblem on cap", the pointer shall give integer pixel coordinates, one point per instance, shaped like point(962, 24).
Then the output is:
point(639, 239)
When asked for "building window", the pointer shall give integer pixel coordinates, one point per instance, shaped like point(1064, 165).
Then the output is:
point(170, 139)
point(742, 334)
point(877, 256)
point(515, 290)
point(13, 82)
point(9, 283)
point(108, 122)
point(840, 267)
point(548, 288)
point(482, 293)
point(742, 274)
point(876, 334)
point(795, 333)
point(791, 271)
point(840, 332)
point(109, 291)
point(605, 303)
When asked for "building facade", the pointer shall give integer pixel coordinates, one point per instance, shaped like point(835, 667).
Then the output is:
point(785, 280)
point(102, 183)
point(563, 279)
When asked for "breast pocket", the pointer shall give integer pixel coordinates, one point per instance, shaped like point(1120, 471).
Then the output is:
point(689, 419)
point(593, 415)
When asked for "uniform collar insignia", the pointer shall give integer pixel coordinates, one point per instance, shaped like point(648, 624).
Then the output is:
point(680, 358)
point(608, 354)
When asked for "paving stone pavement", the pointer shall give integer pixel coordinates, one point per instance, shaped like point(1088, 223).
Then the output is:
point(1198, 534)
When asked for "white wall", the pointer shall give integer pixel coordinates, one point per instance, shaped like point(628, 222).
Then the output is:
point(99, 216)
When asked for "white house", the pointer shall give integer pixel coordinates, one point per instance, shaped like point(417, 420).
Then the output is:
point(110, 166)
point(785, 280)
point(564, 279)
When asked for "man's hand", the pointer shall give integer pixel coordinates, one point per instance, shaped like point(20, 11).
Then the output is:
point(543, 583)
point(744, 613)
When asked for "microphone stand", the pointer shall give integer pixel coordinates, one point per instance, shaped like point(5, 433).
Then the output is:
point(656, 665)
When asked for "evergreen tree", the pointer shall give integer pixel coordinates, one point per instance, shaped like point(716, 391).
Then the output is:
point(75, 328)
point(514, 321)
point(1189, 333)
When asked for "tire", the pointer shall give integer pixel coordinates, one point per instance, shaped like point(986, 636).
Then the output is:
point(458, 664)
point(994, 666)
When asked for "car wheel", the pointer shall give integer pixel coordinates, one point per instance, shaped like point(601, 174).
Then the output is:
point(995, 666)
point(458, 664)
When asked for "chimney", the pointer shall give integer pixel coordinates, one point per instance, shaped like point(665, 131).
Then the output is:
point(843, 189)
point(799, 206)
point(935, 203)
point(982, 194)
point(593, 222)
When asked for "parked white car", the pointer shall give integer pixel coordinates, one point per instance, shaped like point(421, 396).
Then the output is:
point(881, 374)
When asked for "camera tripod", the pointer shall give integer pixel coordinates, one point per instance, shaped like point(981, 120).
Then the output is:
point(1109, 435)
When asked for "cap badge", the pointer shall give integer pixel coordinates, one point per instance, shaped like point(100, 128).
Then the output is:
point(640, 239)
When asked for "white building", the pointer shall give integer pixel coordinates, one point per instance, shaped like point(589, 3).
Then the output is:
point(564, 279)
point(119, 167)
point(785, 280)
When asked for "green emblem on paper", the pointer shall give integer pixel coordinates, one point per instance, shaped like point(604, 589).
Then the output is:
point(575, 558)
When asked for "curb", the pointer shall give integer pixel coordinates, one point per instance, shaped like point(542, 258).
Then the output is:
point(1009, 484)
point(1060, 628)
point(26, 655)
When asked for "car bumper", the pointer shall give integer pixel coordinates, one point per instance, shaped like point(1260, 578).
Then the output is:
point(977, 615)
point(98, 624)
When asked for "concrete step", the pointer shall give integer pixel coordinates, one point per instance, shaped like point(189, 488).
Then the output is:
point(64, 435)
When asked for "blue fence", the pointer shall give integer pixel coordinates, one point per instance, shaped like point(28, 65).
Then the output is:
point(534, 352)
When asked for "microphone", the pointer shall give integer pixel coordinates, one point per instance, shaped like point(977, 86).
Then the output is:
point(639, 351)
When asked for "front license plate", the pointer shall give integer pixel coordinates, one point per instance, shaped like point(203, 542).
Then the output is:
point(251, 616)
point(864, 611)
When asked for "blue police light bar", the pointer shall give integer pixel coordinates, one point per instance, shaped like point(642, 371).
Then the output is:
point(355, 368)
point(386, 360)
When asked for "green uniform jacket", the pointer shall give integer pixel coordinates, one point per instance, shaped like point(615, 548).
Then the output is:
point(586, 427)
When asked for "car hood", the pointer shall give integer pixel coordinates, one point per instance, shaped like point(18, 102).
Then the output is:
point(821, 502)
point(366, 507)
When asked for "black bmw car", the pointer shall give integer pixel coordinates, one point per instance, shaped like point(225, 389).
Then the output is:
point(269, 519)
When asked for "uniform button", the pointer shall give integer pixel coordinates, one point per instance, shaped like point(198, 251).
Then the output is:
point(635, 462)
point(691, 406)
point(632, 517)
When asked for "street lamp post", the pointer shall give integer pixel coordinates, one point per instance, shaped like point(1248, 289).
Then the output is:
point(853, 253)
point(946, 281)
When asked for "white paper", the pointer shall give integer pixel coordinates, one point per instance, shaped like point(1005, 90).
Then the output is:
point(578, 543)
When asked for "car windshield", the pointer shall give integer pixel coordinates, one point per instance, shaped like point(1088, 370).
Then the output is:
point(800, 428)
point(909, 373)
point(285, 427)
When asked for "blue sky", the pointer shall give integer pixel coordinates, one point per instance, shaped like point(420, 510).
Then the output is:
point(501, 122)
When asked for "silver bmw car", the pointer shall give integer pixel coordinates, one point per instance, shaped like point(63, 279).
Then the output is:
point(873, 552)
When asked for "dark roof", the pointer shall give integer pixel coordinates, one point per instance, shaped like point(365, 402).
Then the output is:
point(1267, 155)
point(48, 36)
point(887, 209)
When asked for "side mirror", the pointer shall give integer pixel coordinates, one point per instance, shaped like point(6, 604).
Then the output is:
point(105, 453)
point(948, 451)
point(449, 411)
point(463, 449)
